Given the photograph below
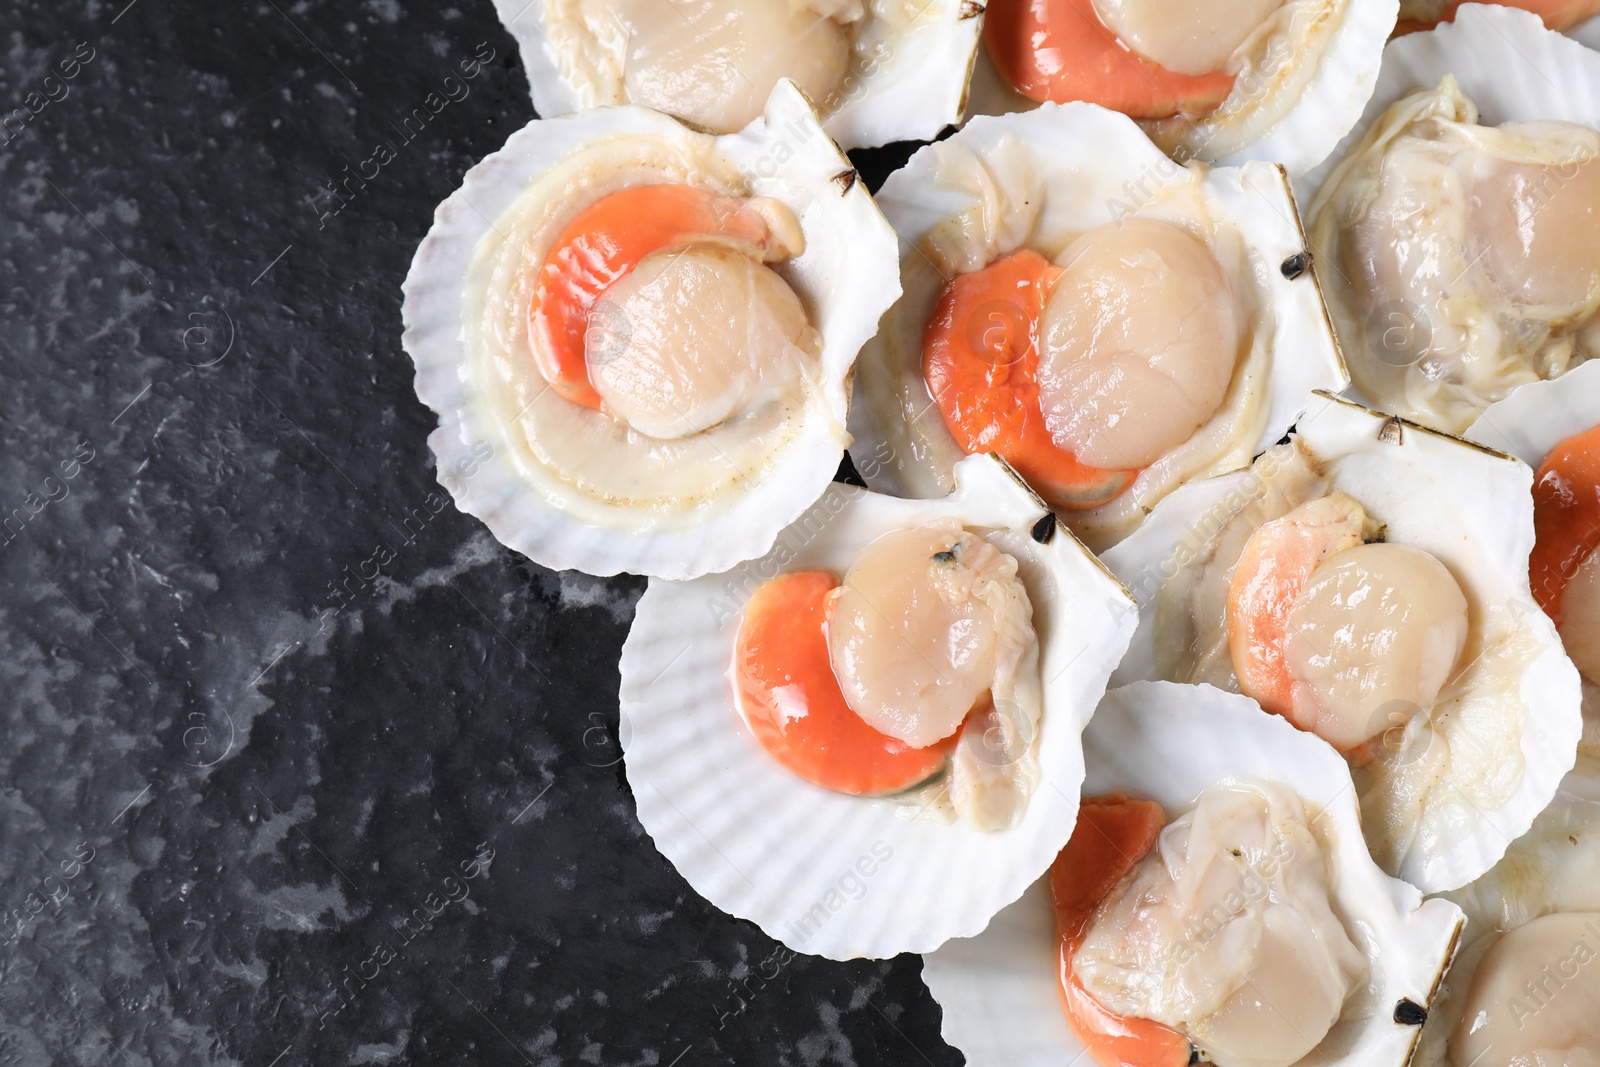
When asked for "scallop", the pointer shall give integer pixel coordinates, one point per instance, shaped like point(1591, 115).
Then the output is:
point(916, 674)
point(713, 65)
point(1324, 627)
point(1186, 38)
point(1554, 427)
point(1248, 926)
point(1223, 82)
point(1143, 318)
point(1110, 323)
point(1368, 581)
point(1458, 233)
point(708, 335)
point(1510, 1025)
point(893, 684)
point(1243, 865)
point(1377, 626)
point(878, 70)
point(1522, 989)
point(920, 627)
point(639, 340)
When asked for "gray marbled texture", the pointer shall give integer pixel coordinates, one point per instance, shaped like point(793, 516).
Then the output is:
point(301, 766)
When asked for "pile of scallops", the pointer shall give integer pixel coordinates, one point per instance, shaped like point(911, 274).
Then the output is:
point(1142, 557)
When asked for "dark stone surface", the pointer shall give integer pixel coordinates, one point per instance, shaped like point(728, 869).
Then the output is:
point(264, 692)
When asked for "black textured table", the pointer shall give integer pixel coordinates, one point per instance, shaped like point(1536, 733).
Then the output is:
point(300, 766)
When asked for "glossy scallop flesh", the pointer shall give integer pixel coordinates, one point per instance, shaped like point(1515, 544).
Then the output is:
point(715, 62)
point(1455, 221)
point(692, 338)
point(877, 71)
point(924, 623)
point(1537, 225)
point(1373, 638)
point(1186, 36)
point(1533, 999)
point(1141, 339)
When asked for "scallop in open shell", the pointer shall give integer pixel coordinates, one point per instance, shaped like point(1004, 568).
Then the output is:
point(1368, 580)
point(1554, 427)
point(638, 338)
point(1112, 323)
point(1184, 748)
point(970, 820)
point(1457, 228)
point(878, 70)
point(1274, 80)
point(1522, 988)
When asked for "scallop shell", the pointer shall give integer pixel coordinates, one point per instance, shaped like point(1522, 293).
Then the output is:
point(1107, 169)
point(764, 845)
point(1168, 743)
point(1469, 507)
point(1528, 424)
point(1537, 417)
point(917, 84)
point(845, 277)
point(1328, 106)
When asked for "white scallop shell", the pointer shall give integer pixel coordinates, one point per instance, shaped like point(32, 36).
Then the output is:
point(1328, 106)
point(1098, 167)
point(1507, 63)
point(917, 87)
point(1168, 743)
point(765, 845)
point(846, 278)
point(1529, 423)
point(1469, 507)
point(1538, 416)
